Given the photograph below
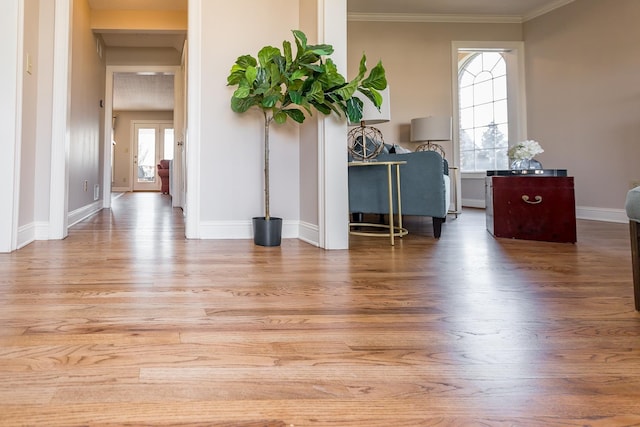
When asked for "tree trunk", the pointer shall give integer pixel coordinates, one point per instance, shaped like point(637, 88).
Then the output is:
point(267, 122)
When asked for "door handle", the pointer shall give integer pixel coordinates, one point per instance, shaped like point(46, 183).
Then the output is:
point(538, 199)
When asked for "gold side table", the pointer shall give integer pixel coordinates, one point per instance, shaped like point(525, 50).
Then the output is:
point(393, 230)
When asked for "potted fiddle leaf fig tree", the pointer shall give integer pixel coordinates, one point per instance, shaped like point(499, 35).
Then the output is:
point(284, 86)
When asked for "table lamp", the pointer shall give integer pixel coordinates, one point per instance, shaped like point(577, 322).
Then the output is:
point(432, 128)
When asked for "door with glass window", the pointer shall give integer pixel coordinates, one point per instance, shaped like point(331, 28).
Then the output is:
point(152, 142)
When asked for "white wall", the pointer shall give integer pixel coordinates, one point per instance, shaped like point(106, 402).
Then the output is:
point(231, 162)
point(142, 56)
point(44, 133)
point(309, 139)
point(87, 116)
point(583, 63)
point(26, 215)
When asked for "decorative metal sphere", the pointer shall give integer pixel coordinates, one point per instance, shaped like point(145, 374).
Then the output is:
point(365, 142)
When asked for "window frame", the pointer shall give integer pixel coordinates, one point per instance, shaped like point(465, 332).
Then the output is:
point(514, 56)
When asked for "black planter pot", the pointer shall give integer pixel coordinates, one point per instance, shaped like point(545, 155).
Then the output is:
point(267, 232)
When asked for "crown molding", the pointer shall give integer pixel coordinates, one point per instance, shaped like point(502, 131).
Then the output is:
point(546, 9)
point(416, 17)
point(454, 18)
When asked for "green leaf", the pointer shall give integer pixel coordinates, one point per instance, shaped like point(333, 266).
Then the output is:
point(262, 79)
point(308, 57)
point(296, 97)
point(236, 77)
point(301, 39)
point(276, 77)
point(314, 67)
point(321, 49)
point(373, 95)
point(298, 74)
point(271, 99)
point(242, 92)
point(295, 85)
point(362, 69)
point(280, 117)
point(346, 91)
point(377, 79)
point(295, 114)
point(240, 105)
point(316, 93)
point(245, 61)
point(288, 56)
point(323, 108)
point(354, 109)
point(281, 63)
point(251, 73)
point(266, 54)
point(331, 78)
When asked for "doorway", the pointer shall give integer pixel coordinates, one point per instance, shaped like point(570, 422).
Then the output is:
point(146, 133)
point(152, 142)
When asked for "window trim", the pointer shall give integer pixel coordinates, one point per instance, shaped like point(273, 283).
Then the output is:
point(515, 86)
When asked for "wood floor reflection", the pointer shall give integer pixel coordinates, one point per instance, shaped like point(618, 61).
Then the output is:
point(127, 323)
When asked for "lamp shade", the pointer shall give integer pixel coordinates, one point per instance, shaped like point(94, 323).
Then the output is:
point(431, 128)
point(370, 114)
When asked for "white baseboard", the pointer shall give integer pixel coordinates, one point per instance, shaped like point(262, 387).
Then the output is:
point(309, 233)
point(38, 230)
point(26, 235)
point(42, 230)
point(120, 189)
point(601, 214)
point(474, 203)
point(241, 229)
point(84, 212)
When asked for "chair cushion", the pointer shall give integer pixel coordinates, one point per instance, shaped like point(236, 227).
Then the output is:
point(632, 204)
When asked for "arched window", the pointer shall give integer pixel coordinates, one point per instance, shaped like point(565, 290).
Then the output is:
point(484, 114)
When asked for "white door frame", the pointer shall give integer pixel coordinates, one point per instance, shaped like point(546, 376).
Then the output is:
point(191, 147)
point(60, 138)
point(11, 29)
point(108, 114)
point(180, 131)
point(59, 188)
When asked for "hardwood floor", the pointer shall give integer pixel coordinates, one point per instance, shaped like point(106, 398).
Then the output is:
point(127, 323)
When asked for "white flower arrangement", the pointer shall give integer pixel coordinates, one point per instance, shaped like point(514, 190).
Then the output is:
point(525, 150)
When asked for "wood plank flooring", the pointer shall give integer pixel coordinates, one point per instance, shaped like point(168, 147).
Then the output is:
point(127, 323)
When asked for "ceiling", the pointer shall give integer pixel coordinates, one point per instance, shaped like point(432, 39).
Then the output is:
point(138, 4)
point(143, 92)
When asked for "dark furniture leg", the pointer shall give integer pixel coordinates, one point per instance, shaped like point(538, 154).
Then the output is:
point(634, 229)
point(437, 226)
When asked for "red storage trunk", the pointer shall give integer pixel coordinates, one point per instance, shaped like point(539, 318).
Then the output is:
point(531, 207)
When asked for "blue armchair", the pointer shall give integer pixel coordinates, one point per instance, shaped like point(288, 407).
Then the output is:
point(424, 187)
